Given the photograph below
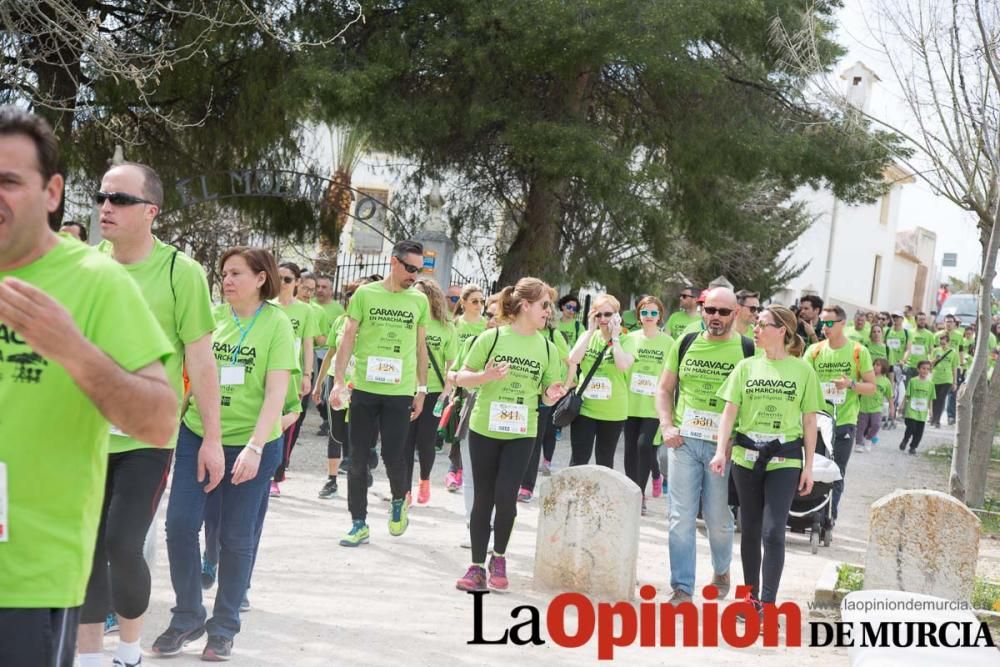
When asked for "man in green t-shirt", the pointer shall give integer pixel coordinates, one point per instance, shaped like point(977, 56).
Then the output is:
point(79, 348)
point(333, 310)
point(845, 374)
point(385, 333)
point(858, 330)
point(690, 428)
point(176, 290)
point(686, 314)
point(749, 308)
point(956, 340)
point(921, 344)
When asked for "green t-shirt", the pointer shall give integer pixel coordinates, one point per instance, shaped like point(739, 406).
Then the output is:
point(705, 367)
point(957, 340)
point(895, 342)
point(53, 439)
point(877, 350)
point(465, 330)
point(606, 397)
point(858, 336)
point(268, 346)
point(463, 352)
point(922, 342)
point(386, 346)
point(696, 326)
point(919, 394)
point(943, 372)
point(181, 304)
point(556, 338)
point(679, 321)
point(772, 396)
point(830, 365)
point(304, 325)
point(883, 392)
point(571, 331)
point(507, 409)
point(643, 376)
point(321, 319)
point(333, 310)
point(443, 343)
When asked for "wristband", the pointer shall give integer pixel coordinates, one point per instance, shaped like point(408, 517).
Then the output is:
point(422, 389)
point(259, 451)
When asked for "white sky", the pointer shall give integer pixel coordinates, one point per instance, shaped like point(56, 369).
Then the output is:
point(920, 207)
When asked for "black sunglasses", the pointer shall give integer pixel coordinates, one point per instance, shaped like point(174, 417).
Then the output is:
point(288, 280)
point(687, 296)
point(410, 268)
point(119, 199)
point(754, 309)
point(711, 310)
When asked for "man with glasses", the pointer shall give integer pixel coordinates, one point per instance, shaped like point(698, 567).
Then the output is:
point(569, 324)
point(79, 348)
point(749, 303)
point(921, 344)
point(697, 366)
point(385, 333)
point(845, 373)
point(176, 290)
point(454, 295)
point(810, 329)
point(685, 315)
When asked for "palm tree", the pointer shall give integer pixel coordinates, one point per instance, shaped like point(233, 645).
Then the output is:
point(349, 145)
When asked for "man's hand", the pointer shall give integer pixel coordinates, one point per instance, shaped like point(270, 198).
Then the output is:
point(211, 463)
point(671, 435)
point(44, 324)
point(842, 383)
point(306, 387)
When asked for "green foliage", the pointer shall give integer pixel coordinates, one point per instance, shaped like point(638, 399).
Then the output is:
point(850, 577)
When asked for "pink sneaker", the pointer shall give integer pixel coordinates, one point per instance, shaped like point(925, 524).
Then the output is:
point(524, 495)
point(451, 482)
point(458, 478)
point(424, 492)
point(658, 486)
point(275, 490)
point(474, 579)
point(498, 573)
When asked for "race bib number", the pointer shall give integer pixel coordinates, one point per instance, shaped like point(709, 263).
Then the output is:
point(599, 389)
point(918, 404)
point(232, 375)
point(700, 424)
point(384, 370)
point(508, 418)
point(918, 349)
point(893, 343)
point(832, 394)
point(4, 526)
point(751, 455)
point(644, 385)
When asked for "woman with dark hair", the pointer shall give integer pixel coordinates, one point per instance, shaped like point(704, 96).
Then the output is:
point(469, 323)
point(255, 352)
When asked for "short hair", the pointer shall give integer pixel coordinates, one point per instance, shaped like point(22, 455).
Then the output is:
point(925, 362)
point(323, 276)
point(152, 185)
point(566, 298)
point(259, 260)
point(14, 121)
point(745, 294)
point(813, 300)
point(837, 310)
point(79, 225)
point(951, 317)
point(407, 247)
point(921, 314)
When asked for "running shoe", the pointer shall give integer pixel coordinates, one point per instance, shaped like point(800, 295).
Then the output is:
point(546, 468)
point(398, 517)
point(424, 492)
point(275, 490)
point(111, 623)
point(474, 580)
point(209, 571)
point(524, 495)
point(458, 477)
point(357, 536)
point(722, 584)
point(859, 448)
point(913, 452)
point(172, 641)
point(245, 602)
point(451, 482)
point(120, 662)
point(868, 448)
point(678, 596)
point(345, 465)
point(658, 486)
point(329, 489)
point(217, 649)
point(498, 573)
point(324, 429)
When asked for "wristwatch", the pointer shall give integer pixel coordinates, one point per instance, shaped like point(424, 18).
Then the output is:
point(422, 389)
point(256, 449)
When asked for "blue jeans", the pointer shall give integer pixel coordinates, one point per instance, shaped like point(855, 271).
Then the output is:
point(185, 512)
point(691, 485)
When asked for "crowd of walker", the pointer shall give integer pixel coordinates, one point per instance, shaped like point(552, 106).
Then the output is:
point(138, 372)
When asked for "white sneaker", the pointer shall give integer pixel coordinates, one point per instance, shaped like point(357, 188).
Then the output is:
point(859, 448)
point(868, 448)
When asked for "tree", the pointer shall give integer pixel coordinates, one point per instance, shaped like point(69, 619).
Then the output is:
point(944, 57)
point(595, 119)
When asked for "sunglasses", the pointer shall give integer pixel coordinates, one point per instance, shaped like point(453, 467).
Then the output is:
point(288, 280)
point(604, 315)
point(649, 313)
point(829, 323)
point(546, 305)
point(490, 315)
point(571, 308)
point(754, 309)
point(711, 310)
point(410, 268)
point(453, 299)
point(761, 325)
point(119, 199)
point(687, 296)
point(477, 302)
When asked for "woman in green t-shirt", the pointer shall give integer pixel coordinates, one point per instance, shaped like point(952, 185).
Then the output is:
point(255, 352)
point(512, 366)
point(469, 323)
point(649, 346)
point(605, 398)
point(771, 401)
point(876, 345)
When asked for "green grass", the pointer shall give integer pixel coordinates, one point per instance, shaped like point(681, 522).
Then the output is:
point(985, 594)
point(990, 516)
point(850, 577)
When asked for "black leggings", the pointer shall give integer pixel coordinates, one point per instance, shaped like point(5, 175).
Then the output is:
point(336, 441)
point(585, 430)
point(38, 637)
point(544, 426)
point(420, 440)
point(764, 504)
point(639, 454)
point(549, 443)
point(291, 435)
point(940, 399)
point(914, 432)
point(497, 467)
point(119, 578)
point(373, 414)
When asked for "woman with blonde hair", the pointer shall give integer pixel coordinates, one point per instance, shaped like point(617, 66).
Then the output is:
point(469, 323)
point(771, 402)
point(605, 398)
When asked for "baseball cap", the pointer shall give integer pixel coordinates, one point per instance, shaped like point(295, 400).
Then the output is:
point(897, 313)
point(703, 296)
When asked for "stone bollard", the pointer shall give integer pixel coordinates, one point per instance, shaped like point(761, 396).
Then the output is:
point(922, 542)
point(588, 533)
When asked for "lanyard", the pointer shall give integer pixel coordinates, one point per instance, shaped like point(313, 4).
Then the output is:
point(244, 332)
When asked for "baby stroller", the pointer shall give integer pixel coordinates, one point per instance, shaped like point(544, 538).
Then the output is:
point(813, 513)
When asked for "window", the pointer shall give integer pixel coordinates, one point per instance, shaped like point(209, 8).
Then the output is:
point(857, 81)
point(876, 276)
point(883, 214)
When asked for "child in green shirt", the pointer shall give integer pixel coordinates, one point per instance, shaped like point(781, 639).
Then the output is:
point(870, 414)
point(919, 393)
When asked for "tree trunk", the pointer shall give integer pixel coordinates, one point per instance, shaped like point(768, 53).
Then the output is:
point(984, 424)
point(535, 250)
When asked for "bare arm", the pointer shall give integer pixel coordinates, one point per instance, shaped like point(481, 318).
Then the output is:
point(867, 386)
point(623, 360)
point(724, 446)
point(275, 390)
point(665, 397)
point(422, 360)
point(809, 435)
point(345, 351)
point(204, 376)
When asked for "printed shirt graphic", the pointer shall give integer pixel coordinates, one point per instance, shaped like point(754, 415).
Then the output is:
point(883, 392)
point(705, 368)
point(507, 409)
point(921, 344)
point(304, 325)
point(269, 346)
point(184, 318)
point(679, 321)
point(877, 350)
point(465, 330)
point(606, 397)
point(571, 331)
point(831, 365)
point(53, 439)
point(772, 395)
point(443, 342)
point(895, 342)
point(943, 372)
point(386, 346)
point(643, 376)
point(919, 394)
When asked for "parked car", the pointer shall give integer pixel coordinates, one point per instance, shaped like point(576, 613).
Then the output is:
point(965, 307)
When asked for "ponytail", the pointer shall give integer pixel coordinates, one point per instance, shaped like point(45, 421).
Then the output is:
point(512, 299)
point(795, 347)
point(506, 306)
point(794, 344)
